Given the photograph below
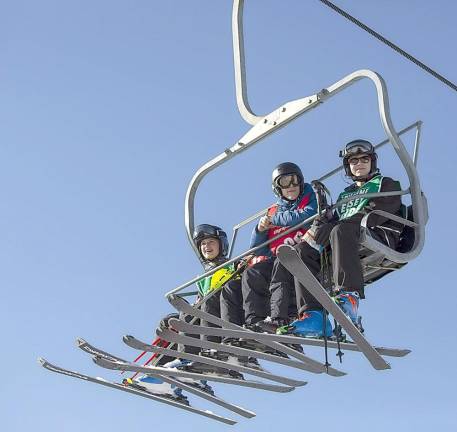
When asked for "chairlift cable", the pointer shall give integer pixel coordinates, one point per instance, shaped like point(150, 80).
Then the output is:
point(390, 44)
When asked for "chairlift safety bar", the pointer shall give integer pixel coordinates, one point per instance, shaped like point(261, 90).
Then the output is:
point(283, 233)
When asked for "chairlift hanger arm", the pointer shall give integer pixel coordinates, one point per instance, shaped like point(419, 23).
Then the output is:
point(239, 64)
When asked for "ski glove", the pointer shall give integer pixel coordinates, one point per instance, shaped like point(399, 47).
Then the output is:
point(164, 321)
point(322, 233)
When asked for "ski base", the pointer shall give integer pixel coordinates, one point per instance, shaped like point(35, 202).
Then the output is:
point(190, 388)
point(97, 380)
point(313, 366)
point(332, 343)
point(292, 261)
point(135, 343)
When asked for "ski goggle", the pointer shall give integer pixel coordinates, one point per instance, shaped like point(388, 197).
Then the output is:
point(287, 181)
point(357, 147)
point(356, 160)
point(205, 230)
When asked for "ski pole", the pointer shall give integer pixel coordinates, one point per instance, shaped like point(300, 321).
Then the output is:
point(158, 341)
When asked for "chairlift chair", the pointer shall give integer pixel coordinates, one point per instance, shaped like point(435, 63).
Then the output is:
point(378, 258)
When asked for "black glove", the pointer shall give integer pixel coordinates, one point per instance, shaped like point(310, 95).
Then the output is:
point(164, 321)
point(322, 232)
point(243, 263)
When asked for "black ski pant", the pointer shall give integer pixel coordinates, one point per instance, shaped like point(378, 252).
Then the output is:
point(344, 243)
point(211, 306)
point(231, 302)
point(182, 348)
point(227, 304)
point(268, 290)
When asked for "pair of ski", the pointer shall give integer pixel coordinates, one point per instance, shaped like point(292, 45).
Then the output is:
point(292, 261)
point(110, 361)
point(107, 360)
point(118, 386)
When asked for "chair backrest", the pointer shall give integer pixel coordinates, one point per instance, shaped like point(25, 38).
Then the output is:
point(407, 235)
point(375, 265)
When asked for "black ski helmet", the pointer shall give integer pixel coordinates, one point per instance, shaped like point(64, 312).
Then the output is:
point(359, 147)
point(206, 231)
point(284, 169)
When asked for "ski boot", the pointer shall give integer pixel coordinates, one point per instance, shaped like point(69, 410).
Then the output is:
point(230, 341)
point(181, 364)
point(309, 324)
point(348, 301)
point(250, 362)
point(246, 361)
point(252, 344)
point(157, 387)
point(202, 368)
point(271, 325)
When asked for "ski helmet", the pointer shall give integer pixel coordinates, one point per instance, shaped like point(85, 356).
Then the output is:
point(282, 169)
point(204, 231)
point(355, 148)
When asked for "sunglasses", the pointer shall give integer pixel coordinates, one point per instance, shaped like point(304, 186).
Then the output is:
point(356, 160)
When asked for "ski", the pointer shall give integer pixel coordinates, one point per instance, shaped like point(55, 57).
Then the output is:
point(97, 380)
point(164, 334)
point(313, 365)
point(237, 351)
point(291, 260)
point(289, 339)
point(132, 367)
point(90, 349)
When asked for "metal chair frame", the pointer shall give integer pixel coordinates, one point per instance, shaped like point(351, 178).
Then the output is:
point(266, 125)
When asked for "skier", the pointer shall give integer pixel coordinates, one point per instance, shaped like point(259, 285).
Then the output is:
point(266, 281)
point(212, 244)
point(340, 235)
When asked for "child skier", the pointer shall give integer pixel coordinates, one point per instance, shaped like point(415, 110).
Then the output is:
point(341, 235)
point(212, 244)
point(266, 281)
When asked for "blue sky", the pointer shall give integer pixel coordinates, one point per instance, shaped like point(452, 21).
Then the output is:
point(107, 109)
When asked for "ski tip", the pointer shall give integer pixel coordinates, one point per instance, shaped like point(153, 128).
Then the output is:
point(80, 342)
point(42, 361)
point(97, 359)
point(382, 366)
point(286, 389)
point(127, 338)
point(174, 321)
point(176, 300)
point(299, 384)
point(284, 248)
point(335, 372)
point(105, 363)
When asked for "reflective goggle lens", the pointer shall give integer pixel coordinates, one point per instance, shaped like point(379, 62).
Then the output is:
point(205, 231)
point(288, 180)
point(359, 147)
